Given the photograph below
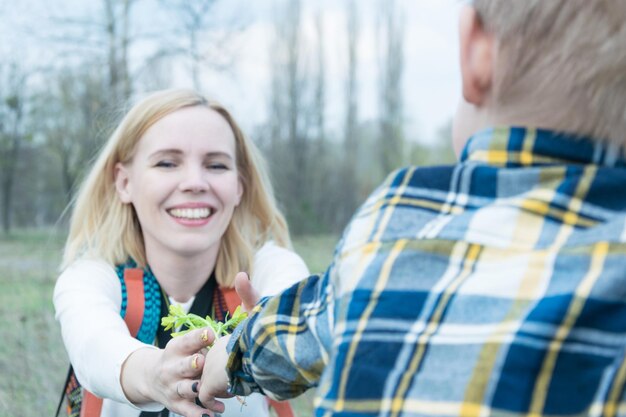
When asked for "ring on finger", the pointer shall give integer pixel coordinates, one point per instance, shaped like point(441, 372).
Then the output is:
point(178, 390)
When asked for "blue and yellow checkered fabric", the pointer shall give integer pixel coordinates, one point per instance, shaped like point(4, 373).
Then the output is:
point(494, 287)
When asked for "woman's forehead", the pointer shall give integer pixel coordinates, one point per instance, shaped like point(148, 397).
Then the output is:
point(189, 129)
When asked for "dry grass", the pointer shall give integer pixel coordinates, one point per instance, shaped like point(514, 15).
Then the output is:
point(32, 360)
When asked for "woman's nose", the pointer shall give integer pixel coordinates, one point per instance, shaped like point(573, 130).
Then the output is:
point(194, 179)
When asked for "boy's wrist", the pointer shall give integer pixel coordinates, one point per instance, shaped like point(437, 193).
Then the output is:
point(239, 381)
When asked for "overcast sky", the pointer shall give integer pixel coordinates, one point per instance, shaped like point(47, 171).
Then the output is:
point(431, 79)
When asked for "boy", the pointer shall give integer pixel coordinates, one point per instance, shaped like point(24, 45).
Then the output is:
point(493, 287)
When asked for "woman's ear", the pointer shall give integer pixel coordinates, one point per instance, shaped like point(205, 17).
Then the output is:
point(477, 52)
point(122, 183)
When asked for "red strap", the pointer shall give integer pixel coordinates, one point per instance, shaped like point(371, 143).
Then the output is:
point(282, 408)
point(135, 299)
point(91, 405)
point(232, 299)
point(135, 304)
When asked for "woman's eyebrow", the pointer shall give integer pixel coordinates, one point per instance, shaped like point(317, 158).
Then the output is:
point(165, 152)
point(218, 154)
point(174, 151)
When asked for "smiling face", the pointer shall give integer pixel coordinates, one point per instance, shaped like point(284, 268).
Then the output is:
point(183, 183)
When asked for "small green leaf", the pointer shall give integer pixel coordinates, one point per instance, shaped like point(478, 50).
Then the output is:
point(177, 318)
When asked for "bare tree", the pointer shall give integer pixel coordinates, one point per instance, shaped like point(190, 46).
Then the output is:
point(297, 120)
point(350, 143)
point(392, 29)
point(324, 171)
point(67, 116)
point(291, 32)
point(117, 23)
point(319, 107)
point(156, 74)
point(99, 35)
point(12, 133)
point(202, 44)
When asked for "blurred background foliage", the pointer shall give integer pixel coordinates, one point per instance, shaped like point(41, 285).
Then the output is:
point(58, 108)
point(66, 80)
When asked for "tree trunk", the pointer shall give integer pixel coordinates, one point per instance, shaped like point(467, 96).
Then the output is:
point(9, 170)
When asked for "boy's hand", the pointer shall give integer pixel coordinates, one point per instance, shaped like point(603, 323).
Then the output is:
point(214, 382)
point(249, 296)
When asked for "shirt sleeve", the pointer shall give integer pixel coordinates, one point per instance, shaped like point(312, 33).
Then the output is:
point(289, 337)
point(87, 300)
point(276, 268)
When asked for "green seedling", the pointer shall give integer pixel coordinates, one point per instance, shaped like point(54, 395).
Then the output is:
point(177, 318)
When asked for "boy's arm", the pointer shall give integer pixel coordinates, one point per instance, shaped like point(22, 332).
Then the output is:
point(282, 348)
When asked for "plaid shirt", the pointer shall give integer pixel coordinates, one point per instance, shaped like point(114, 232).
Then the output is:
point(496, 286)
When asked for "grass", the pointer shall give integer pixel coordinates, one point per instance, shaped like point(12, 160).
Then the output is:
point(316, 251)
point(33, 362)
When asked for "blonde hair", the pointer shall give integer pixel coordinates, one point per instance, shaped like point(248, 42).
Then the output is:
point(102, 226)
point(562, 59)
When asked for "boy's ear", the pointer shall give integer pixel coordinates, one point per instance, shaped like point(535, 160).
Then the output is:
point(477, 50)
point(122, 183)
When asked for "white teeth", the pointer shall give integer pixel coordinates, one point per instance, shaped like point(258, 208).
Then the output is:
point(190, 213)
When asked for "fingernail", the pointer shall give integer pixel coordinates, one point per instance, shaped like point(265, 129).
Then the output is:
point(194, 362)
point(205, 335)
point(194, 387)
point(205, 415)
point(248, 276)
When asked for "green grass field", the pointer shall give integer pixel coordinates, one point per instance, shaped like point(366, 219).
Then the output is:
point(33, 362)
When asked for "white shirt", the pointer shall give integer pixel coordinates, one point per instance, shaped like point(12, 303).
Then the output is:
point(87, 300)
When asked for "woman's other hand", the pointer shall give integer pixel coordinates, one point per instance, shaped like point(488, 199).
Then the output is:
point(170, 376)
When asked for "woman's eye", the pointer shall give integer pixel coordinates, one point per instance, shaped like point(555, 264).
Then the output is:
point(217, 166)
point(165, 164)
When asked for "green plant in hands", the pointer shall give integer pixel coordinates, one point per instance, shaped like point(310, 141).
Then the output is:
point(188, 321)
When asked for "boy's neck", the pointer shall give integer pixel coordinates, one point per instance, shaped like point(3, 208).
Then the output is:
point(472, 119)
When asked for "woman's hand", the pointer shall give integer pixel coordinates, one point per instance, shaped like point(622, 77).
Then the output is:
point(214, 383)
point(169, 376)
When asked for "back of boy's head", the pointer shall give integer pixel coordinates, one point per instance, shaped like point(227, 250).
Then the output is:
point(561, 61)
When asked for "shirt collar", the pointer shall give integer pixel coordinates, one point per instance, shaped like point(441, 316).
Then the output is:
point(519, 146)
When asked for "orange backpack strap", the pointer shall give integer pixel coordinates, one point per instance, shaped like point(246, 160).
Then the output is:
point(91, 405)
point(282, 408)
point(232, 299)
point(135, 307)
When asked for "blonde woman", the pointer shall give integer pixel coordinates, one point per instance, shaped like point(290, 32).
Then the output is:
point(180, 193)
